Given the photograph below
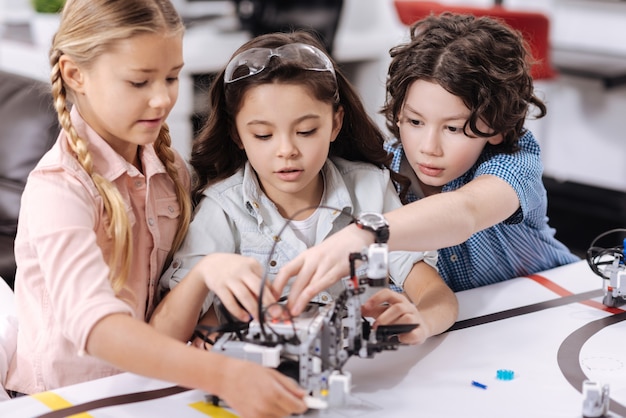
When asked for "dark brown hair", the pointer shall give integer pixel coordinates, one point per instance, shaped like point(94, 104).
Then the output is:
point(481, 60)
point(216, 154)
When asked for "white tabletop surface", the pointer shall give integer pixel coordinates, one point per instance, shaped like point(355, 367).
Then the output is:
point(551, 330)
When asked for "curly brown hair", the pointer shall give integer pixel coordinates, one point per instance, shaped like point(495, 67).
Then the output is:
point(216, 154)
point(481, 60)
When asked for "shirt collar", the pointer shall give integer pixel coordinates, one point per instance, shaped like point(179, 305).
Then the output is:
point(336, 191)
point(251, 187)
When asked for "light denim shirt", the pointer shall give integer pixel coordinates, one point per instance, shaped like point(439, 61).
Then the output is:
point(235, 216)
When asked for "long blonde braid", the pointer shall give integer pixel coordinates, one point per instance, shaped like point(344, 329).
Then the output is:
point(162, 147)
point(88, 29)
point(118, 227)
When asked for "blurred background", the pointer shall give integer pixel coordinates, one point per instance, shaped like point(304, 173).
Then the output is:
point(583, 45)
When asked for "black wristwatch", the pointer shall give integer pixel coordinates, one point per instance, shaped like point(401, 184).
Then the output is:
point(376, 223)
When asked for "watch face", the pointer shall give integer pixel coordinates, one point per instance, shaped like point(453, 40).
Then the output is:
point(376, 223)
point(372, 220)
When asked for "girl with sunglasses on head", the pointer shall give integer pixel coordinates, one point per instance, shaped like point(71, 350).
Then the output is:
point(287, 136)
point(102, 211)
point(458, 94)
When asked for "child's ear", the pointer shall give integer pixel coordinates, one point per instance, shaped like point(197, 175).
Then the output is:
point(337, 123)
point(496, 139)
point(71, 73)
point(398, 118)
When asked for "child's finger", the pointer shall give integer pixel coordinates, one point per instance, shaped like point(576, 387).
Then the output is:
point(286, 272)
point(233, 305)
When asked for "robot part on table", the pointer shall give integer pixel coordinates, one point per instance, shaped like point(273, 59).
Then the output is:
point(595, 399)
point(608, 263)
point(313, 347)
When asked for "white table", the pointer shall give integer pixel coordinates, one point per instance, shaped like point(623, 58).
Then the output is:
point(552, 331)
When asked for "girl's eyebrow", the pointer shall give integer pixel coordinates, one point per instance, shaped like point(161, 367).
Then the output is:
point(307, 116)
point(258, 122)
point(154, 70)
point(298, 120)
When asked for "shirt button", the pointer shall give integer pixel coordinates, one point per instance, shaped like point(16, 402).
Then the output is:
point(176, 264)
point(170, 208)
point(325, 297)
point(150, 221)
point(273, 263)
point(255, 204)
point(454, 258)
point(276, 238)
point(138, 183)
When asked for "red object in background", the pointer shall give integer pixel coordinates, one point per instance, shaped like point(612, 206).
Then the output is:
point(534, 26)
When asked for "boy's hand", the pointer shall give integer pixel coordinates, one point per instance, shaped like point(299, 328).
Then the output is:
point(320, 266)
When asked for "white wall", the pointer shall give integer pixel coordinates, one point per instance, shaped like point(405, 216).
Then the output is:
point(582, 137)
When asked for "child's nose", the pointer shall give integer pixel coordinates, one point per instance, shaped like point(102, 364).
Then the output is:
point(160, 97)
point(287, 148)
point(430, 143)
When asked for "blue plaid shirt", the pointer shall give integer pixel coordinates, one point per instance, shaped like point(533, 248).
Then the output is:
point(521, 245)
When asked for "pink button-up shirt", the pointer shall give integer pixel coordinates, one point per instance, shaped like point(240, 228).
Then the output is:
point(62, 287)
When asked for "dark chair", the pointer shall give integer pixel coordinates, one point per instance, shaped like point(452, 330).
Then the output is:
point(28, 128)
point(267, 16)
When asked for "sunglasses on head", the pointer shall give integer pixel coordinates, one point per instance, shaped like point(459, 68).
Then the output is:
point(255, 60)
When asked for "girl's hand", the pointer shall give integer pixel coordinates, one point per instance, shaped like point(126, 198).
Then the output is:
point(236, 280)
point(388, 307)
point(257, 392)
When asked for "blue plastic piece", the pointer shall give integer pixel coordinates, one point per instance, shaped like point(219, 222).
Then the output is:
point(479, 385)
point(503, 374)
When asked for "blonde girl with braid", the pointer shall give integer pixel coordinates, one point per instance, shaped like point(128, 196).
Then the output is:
point(104, 209)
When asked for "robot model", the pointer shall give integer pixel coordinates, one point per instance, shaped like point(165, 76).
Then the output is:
point(595, 399)
point(313, 347)
point(608, 263)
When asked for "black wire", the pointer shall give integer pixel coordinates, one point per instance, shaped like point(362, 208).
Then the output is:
point(595, 253)
point(269, 257)
point(203, 332)
point(281, 338)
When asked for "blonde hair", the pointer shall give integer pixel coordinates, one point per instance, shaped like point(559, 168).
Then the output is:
point(89, 28)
